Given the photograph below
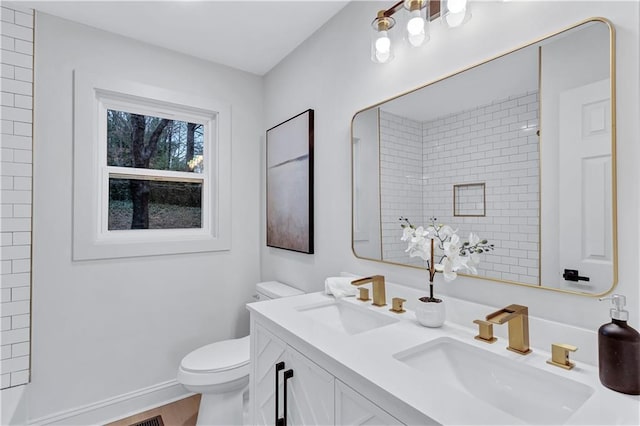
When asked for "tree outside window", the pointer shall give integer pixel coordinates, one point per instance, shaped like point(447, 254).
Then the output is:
point(140, 151)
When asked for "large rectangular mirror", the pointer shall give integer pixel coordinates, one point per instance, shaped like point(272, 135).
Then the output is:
point(519, 149)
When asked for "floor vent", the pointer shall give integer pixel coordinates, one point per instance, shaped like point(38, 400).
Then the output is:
point(152, 421)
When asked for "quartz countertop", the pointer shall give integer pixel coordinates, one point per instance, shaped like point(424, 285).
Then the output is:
point(368, 357)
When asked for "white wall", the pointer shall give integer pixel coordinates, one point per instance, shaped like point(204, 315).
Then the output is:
point(17, 111)
point(105, 328)
point(331, 72)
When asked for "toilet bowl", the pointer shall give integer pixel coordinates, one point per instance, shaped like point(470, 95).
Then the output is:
point(220, 371)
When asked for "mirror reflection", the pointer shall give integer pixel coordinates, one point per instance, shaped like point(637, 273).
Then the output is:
point(518, 150)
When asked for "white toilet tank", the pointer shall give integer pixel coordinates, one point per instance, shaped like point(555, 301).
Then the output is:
point(274, 290)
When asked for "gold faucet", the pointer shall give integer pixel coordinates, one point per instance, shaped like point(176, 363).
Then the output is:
point(518, 318)
point(379, 297)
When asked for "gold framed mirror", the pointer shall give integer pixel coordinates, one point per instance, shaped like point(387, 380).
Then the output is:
point(536, 126)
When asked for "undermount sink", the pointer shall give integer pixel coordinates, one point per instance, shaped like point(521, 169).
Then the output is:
point(532, 395)
point(346, 317)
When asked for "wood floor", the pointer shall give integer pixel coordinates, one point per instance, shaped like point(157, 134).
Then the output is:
point(180, 413)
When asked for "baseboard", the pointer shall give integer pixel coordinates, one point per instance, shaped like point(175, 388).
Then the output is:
point(118, 407)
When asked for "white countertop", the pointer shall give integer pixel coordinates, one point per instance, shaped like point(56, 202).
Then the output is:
point(369, 356)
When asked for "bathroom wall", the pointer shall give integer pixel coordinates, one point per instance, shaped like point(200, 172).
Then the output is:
point(17, 112)
point(331, 72)
point(497, 146)
point(494, 144)
point(401, 182)
point(109, 332)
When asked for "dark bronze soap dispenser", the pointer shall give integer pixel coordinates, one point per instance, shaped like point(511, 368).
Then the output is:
point(619, 350)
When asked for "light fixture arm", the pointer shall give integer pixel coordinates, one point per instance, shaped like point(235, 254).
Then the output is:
point(434, 8)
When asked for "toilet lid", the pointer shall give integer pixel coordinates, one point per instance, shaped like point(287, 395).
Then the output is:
point(219, 356)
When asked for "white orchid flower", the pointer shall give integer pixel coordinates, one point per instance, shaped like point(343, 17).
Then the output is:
point(446, 267)
point(407, 233)
point(452, 246)
point(449, 248)
point(445, 231)
point(473, 239)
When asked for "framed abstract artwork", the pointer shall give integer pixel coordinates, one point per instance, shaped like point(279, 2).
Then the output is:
point(290, 184)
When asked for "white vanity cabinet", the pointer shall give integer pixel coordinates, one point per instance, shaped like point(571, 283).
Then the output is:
point(308, 394)
point(354, 409)
point(313, 395)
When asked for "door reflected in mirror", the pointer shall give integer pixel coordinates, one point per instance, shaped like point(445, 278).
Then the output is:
point(519, 149)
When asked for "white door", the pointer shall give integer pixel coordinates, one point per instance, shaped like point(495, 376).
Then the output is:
point(585, 235)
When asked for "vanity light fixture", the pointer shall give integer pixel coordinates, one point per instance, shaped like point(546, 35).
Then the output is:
point(416, 32)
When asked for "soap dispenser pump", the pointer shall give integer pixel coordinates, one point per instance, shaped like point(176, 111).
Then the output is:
point(619, 350)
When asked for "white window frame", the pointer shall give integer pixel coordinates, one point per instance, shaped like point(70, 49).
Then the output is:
point(93, 96)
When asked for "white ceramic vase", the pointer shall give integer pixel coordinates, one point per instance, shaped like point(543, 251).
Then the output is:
point(431, 314)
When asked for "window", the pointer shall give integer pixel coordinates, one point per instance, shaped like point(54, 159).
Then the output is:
point(155, 170)
point(151, 170)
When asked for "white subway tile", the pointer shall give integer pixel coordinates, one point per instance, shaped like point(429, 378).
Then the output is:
point(6, 238)
point(5, 296)
point(5, 350)
point(16, 225)
point(15, 141)
point(22, 155)
point(23, 74)
point(21, 265)
point(15, 308)
point(24, 19)
point(15, 280)
point(20, 294)
point(16, 114)
point(23, 129)
point(20, 377)
point(6, 210)
point(16, 197)
point(21, 183)
point(17, 31)
point(17, 6)
point(16, 169)
point(8, 43)
point(7, 15)
point(15, 252)
point(8, 99)
point(22, 210)
point(6, 380)
point(7, 127)
point(21, 101)
point(20, 349)
point(21, 238)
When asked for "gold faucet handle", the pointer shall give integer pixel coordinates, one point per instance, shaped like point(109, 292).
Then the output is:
point(485, 331)
point(363, 294)
point(560, 355)
point(396, 305)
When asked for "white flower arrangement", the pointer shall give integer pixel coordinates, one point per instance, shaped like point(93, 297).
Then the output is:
point(454, 254)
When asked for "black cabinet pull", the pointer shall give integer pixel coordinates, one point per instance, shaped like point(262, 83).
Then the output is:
point(573, 275)
point(279, 367)
point(287, 375)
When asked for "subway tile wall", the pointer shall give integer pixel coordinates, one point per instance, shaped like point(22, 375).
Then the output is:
point(401, 182)
point(495, 144)
point(16, 151)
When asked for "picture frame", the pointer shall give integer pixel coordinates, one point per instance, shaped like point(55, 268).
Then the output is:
point(289, 170)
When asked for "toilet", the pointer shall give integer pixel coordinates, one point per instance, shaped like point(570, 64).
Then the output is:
point(220, 371)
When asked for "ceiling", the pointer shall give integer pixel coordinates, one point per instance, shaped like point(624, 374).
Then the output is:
point(252, 36)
